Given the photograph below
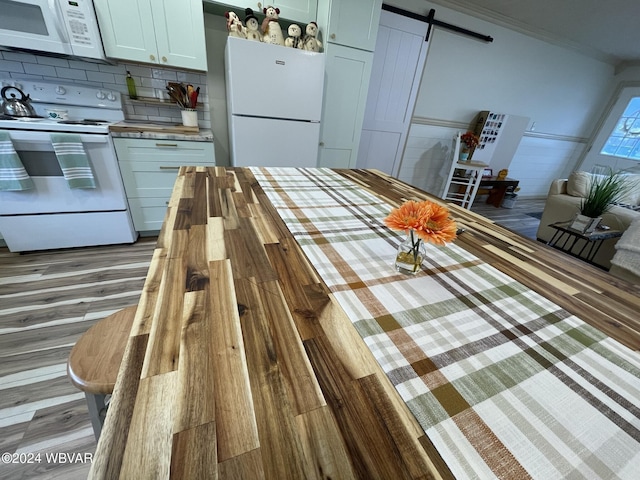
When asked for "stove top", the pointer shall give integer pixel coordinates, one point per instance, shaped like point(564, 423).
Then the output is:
point(49, 125)
point(86, 121)
point(89, 109)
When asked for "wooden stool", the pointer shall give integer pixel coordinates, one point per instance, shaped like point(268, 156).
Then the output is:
point(95, 359)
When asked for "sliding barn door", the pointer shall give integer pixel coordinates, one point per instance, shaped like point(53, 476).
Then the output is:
point(398, 62)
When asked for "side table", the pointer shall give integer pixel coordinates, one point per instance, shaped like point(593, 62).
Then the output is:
point(498, 188)
point(592, 240)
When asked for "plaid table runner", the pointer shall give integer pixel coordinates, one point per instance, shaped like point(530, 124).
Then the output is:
point(505, 383)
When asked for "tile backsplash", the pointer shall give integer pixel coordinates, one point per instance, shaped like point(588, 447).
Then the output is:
point(150, 82)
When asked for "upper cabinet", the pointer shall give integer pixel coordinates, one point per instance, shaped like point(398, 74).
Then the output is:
point(302, 11)
point(352, 23)
point(164, 32)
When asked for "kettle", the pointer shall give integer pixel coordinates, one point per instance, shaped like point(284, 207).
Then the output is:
point(16, 107)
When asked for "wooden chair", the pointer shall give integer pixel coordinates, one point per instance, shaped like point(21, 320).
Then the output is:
point(95, 359)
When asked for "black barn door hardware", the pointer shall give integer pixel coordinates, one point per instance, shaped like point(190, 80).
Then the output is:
point(430, 19)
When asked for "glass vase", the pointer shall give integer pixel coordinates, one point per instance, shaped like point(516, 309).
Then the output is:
point(411, 253)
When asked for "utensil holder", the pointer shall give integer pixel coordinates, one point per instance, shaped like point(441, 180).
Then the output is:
point(189, 117)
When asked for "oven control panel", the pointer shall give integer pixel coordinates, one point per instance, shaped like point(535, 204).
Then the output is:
point(68, 94)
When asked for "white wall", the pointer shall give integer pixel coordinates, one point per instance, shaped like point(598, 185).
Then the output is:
point(562, 91)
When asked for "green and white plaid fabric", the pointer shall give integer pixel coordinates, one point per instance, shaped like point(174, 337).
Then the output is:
point(505, 383)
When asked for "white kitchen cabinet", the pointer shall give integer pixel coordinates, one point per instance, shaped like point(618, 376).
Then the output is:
point(149, 169)
point(349, 29)
point(346, 86)
point(352, 23)
point(164, 32)
point(300, 11)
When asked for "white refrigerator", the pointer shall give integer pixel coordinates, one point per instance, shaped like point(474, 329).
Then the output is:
point(274, 104)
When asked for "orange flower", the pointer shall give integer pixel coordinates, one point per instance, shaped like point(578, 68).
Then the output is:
point(437, 227)
point(470, 139)
point(430, 221)
point(406, 217)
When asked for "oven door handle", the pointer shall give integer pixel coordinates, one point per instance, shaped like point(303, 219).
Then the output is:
point(43, 137)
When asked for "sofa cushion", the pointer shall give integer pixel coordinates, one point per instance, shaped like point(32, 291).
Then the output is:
point(632, 195)
point(578, 184)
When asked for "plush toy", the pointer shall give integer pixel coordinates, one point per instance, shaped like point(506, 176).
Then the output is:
point(234, 25)
point(294, 40)
point(310, 42)
point(271, 31)
point(252, 26)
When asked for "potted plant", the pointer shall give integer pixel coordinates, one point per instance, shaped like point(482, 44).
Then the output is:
point(604, 190)
point(468, 142)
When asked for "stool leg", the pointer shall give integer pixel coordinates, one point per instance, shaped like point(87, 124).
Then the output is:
point(97, 412)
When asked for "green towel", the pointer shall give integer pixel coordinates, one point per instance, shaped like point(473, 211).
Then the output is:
point(13, 176)
point(73, 160)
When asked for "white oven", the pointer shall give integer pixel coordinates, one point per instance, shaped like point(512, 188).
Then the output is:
point(51, 194)
point(52, 214)
point(64, 27)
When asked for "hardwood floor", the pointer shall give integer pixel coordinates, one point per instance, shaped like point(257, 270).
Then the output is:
point(47, 300)
point(518, 219)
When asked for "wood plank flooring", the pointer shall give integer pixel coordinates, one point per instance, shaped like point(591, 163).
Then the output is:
point(517, 219)
point(47, 300)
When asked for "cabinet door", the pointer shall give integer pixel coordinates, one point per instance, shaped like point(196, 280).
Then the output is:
point(346, 86)
point(149, 169)
point(127, 30)
point(179, 27)
point(354, 23)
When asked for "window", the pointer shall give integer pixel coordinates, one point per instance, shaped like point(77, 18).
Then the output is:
point(624, 140)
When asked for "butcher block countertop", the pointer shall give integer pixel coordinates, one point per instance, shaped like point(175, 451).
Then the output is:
point(242, 365)
point(160, 131)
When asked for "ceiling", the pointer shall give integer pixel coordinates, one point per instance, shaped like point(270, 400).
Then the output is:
point(607, 30)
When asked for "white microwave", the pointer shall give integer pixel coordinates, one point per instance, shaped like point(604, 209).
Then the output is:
point(64, 27)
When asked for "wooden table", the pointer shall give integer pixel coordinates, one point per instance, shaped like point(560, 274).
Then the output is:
point(241, 365)
point(498, 188)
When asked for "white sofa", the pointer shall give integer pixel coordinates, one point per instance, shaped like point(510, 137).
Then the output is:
point(563, 202)
point(626, 261)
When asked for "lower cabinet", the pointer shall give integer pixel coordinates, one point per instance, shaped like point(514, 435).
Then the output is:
point(149, 169)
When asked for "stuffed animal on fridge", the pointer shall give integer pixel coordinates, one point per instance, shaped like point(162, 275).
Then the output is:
point(252, 26)
point(310, 42)
point(234, 25)
point(271, 31)
point(294, 40)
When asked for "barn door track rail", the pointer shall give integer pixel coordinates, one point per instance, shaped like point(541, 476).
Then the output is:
point(431, 20)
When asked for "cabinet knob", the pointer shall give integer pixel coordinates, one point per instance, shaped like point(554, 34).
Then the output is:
point(152, 58)
point(164, 59)
point(333, 36)
point(321, 144)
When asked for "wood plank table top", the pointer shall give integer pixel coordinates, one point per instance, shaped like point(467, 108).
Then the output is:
point(240, 363)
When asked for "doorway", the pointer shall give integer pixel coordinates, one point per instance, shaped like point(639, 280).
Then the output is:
point(398, 63)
